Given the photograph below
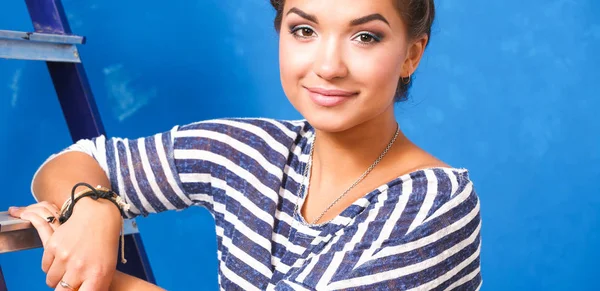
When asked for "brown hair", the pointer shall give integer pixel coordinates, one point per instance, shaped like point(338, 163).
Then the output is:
point(418, 16)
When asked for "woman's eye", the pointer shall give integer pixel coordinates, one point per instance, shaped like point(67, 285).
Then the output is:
point(303, 32)
point(367, 38)
point(306, 32)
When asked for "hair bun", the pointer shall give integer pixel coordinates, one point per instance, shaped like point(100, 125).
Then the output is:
point(276, 4)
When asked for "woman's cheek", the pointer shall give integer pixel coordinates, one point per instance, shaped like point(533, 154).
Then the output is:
point(379, 71)
point(295, 65)
point(297, 60)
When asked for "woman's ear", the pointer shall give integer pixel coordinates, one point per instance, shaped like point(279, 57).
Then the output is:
point(413, 56)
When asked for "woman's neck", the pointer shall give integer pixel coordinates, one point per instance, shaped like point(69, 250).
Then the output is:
point(339, 158)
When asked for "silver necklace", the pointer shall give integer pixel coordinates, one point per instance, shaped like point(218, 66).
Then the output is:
point(309, 166)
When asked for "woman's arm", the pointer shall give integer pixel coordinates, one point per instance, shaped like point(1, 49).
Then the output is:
point(170, 170)
point(55, 179)
point(124, 282)
point(91, 235)
point(83, 251)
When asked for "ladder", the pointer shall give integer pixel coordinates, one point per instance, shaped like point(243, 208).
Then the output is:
point(54, 43)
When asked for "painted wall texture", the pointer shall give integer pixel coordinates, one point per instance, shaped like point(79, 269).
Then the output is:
point(508, 89)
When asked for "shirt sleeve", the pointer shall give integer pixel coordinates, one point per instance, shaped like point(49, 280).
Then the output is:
point(214, 163)
point(439, 248)
point(141, 170)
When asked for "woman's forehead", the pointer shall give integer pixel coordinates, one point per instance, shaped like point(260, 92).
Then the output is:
point(344, 10)
point(342, 7)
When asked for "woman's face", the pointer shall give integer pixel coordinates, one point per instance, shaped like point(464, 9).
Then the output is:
point(341, 60)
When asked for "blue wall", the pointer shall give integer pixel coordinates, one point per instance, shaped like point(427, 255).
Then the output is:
point(508, 89)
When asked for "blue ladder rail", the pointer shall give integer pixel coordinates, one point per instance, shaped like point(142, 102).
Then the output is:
point(2, 283)
point(54, 43)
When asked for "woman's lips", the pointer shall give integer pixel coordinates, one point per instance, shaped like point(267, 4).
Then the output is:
point(329, 97)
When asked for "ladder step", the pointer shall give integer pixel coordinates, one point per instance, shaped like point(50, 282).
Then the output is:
point(39, 46)
point(42, 37)
point(17, 234)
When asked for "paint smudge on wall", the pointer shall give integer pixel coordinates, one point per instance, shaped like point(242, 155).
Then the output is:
point(124, 97)
point(14, 87)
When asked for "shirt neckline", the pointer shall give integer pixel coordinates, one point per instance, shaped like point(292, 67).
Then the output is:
point(362, 203)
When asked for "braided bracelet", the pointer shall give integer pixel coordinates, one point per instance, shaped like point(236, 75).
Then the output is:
point(95, 193)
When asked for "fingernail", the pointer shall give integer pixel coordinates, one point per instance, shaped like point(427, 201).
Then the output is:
point(13, 208)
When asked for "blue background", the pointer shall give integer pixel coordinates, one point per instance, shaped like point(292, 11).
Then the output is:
point(508, 89)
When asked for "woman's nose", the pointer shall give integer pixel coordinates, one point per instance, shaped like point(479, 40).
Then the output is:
point(329, 63)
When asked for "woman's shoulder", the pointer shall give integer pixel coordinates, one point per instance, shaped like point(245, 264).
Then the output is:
point(428, 174)
point(430, 181)
point(255, 132)
point(270, 125)
point(439, 179)
point(433, 198)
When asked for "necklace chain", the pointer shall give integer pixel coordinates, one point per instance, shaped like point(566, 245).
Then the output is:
point(309, 166)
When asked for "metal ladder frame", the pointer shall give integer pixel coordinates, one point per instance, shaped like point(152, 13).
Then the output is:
point(54, 43)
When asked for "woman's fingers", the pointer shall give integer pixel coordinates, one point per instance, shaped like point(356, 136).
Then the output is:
point(46, 213)
point(37, 218)
point(55, 273)
point(68, 283)
point(49, 212)
point(52, 209)
point(16, 211)
point(44, 217)
point(50, 216)
point(48, 257)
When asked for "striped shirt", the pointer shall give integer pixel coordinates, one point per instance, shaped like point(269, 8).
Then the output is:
point(420, 231)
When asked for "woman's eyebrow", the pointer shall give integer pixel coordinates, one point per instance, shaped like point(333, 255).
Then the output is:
point(355, 22)
point(303, 14)
point(369, 18)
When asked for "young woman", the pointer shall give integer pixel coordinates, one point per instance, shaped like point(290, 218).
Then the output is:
point(340, 200)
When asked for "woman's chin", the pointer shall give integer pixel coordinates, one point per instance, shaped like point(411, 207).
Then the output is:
point(329, 123)
point(332, 119)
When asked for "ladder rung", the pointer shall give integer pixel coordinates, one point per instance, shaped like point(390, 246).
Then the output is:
point(39, 46)
point(42, 37)
point(17, 234)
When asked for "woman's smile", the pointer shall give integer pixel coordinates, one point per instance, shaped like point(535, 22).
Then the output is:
point(329, 97)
